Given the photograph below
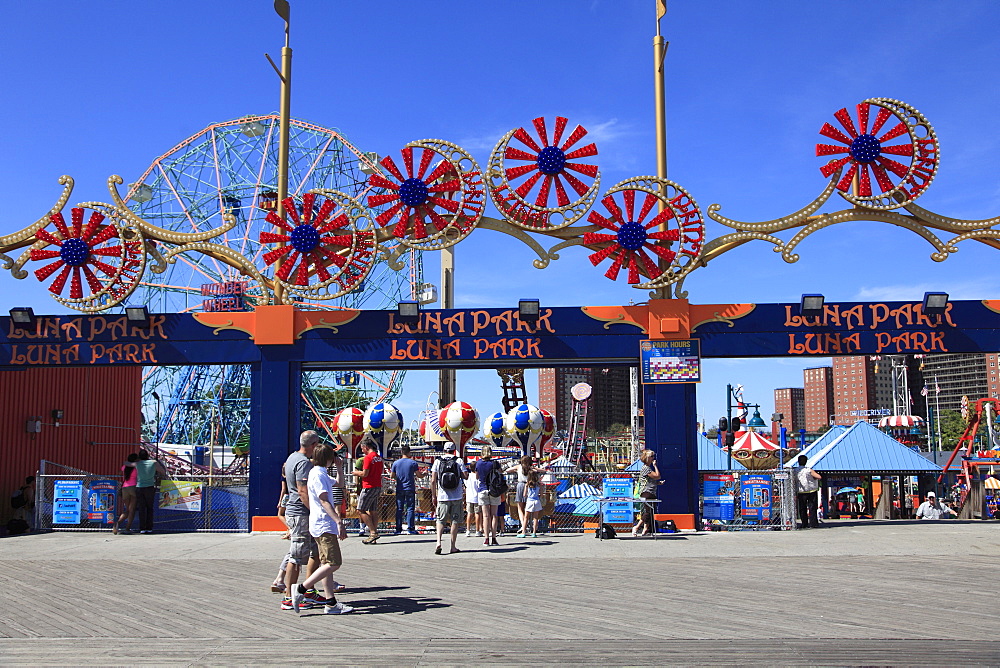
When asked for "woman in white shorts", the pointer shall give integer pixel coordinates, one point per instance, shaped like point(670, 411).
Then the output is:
point(487, 504)
point(472, 526)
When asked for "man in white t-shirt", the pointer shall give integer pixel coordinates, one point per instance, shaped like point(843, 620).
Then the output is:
point(326, 527)
point(806, 486)
point(448, 477)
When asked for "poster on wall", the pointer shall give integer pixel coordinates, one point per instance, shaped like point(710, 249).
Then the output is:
point(101, 501)
point(670, 361)
point(67, 502)
point(718, 493)
point(620, 511)
point(756, 497)
point(180, 495)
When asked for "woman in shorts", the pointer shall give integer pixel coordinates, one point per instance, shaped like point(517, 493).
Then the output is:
point(129, 497)
point(487, 504)
point(472, 525)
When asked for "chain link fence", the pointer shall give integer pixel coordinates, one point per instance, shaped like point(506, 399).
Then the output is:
point(748, 500)
point(69, 499)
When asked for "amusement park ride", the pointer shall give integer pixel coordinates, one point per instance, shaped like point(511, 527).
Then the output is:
point(254, 238)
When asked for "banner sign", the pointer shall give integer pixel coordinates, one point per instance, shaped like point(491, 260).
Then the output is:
point(180, 495)
point(756, 497)
point(670, 361)
point(101, 501)
point(618, 512)
point(484, 337)
point(718, 493)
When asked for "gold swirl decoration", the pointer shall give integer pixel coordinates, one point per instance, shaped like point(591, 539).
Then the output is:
point(885, 141)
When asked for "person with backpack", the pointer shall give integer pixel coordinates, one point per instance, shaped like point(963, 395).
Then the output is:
point(447, 477)
point(492, 486)
point(22, 502)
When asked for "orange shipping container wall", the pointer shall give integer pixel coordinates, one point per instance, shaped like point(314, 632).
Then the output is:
point(105, 399)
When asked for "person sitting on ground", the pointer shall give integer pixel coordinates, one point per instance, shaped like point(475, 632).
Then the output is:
point(932, 509)
point(447, 477)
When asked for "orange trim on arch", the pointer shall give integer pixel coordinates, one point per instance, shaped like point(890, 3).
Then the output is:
point(276, 325)
point(666, 319)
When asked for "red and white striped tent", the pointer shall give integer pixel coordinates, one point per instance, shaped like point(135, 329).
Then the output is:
point(900, 421)
point(757, 453)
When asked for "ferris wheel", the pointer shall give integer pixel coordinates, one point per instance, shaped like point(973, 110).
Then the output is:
point(232, 167)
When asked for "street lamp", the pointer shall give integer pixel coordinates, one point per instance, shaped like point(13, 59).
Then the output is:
point(731, 425)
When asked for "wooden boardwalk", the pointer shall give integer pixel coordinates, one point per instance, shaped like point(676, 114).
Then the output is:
point(180, 600)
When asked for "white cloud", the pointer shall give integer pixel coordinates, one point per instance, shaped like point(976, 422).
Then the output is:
point(915, 292)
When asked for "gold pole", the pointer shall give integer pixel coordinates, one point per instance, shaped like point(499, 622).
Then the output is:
point(446, 377)
point(284, 111)
point(659, 52)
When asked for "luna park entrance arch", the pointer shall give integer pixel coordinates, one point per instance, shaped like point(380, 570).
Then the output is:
point(280, 341)
point(430, 196)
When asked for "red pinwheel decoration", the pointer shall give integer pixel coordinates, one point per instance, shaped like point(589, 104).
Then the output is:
point(420, 197)
point(79, 251)
point(548, 164)
point(867, 144)
point(632, 236)
point(311, 242)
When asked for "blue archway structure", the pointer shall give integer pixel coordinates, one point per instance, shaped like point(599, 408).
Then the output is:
point(281, 341)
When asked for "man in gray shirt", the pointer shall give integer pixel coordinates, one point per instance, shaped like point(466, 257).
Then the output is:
point(302, 550)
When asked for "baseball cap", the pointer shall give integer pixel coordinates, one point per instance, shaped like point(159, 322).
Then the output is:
point(449, 447)
point(931, 494)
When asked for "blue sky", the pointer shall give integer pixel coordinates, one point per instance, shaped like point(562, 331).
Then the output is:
point(101, 88)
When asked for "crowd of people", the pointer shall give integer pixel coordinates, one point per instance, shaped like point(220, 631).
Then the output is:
point(313, 506)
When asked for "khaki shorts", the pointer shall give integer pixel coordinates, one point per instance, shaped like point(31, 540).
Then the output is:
point(128, 493)
point(450, 511)
point(368, 499)
point(329, 549)
point(302, 545)
point(486, 500)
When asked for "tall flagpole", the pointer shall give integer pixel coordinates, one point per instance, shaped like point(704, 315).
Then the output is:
point(659, 53)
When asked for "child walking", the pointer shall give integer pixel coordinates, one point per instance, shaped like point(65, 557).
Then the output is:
point(326, 527)
point(533, 501)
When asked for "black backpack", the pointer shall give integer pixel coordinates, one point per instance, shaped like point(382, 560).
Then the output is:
point(450, 475)
point(18, 499)
point(497, 483)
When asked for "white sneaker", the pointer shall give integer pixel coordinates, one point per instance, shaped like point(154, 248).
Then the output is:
point(469, 533)
point(479, 533)
point(338, 609)
point(297, 599)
